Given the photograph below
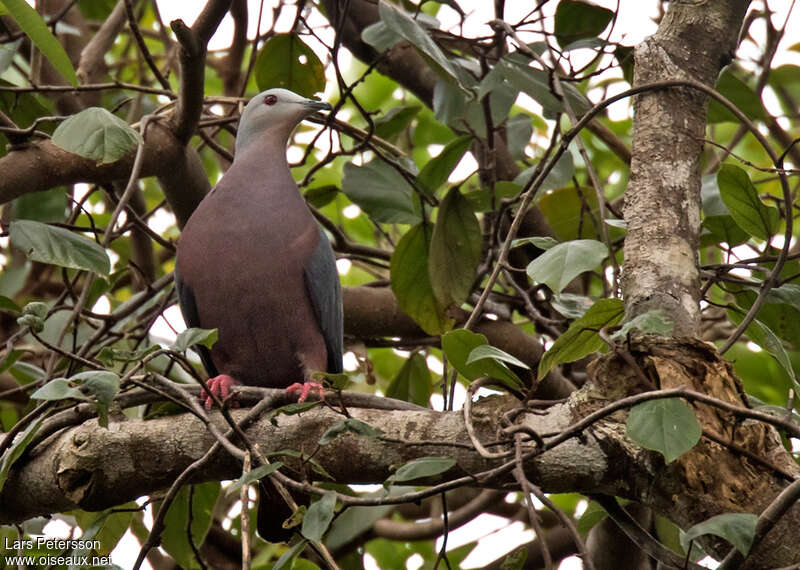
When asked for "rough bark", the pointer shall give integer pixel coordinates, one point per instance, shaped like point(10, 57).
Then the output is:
point(94, 468)
point(694, 40)
point(42, 165)
point(711, 478)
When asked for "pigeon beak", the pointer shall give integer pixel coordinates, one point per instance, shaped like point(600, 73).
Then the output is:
point(313, 106)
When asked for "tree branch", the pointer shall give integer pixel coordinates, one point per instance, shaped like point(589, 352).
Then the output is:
point(42, 165)
point(193, 43)
point(372, 312)
point(94, 468)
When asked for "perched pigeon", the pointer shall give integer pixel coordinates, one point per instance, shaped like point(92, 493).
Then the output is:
point(253, 263)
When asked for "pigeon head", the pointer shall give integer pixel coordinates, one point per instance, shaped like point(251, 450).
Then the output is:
point(277, 111)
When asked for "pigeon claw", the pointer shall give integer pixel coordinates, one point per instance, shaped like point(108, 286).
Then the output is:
point(220, 386)
point(305, 389)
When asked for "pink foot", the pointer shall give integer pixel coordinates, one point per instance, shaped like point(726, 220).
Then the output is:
point(220, 386)
point(305, 389)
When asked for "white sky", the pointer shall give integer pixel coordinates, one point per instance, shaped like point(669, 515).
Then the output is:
point(632, 27)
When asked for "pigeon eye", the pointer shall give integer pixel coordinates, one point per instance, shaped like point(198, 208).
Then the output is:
point(270, 100)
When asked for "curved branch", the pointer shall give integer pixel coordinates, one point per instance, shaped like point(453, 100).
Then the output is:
point(42, 165)
point(405, 531)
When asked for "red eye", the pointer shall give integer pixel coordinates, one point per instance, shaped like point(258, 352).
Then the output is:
point(270, 100)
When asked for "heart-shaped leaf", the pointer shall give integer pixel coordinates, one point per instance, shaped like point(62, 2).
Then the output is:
point(665, 425)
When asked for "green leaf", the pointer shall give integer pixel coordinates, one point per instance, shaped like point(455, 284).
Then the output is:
point(192, 336)
point(35, 308)
point(97, 134)
point(421, 468)
point(354, 522)
point(500, 103)
point(395, 121)
point(614, 223)
point(96, 9)
point(179, 523)
point(412, 382)
point(403, 25)
point(26, 372)
point(315, 465)
point(459, 345)
point(8, 51)
point(536, 83)
point(36, 29)
point(380, 36)
point(737, 528)
point(624, 56)
point(438, 169)
point(788, 293)
point(665, 425)
point(449, 103)
point(286, 561)
point(766, 338)
point(486, 351)
point(518, 132)
point(738, 93)
point(286, 61)
point(542, 242)
point(58, 246)
point(107, 526)
point(349, 425)
point(579, 20)
point(782, 318)
point(108, 355)
point(258, 473)
point(593, 514)
point(321, 196)
point(36, 324)
point(104, 386)
point(291, 409)
point(725, 229)
point(58, 389)
point(362, 429)
point(481, 199)
point(566, 209)
point(18, 448)
point(656, 321)
point(581, 338)
point(711, 198)
point(562, 263)
point(455, 251)
point(742, 200)
point(318, 517)
point(411, 282)
point(47, 206)
point(571, 306)
point(304, 564)
point(381, 192)
point(515, 560)
point(560, 175)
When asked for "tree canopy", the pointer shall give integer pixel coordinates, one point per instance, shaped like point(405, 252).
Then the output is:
point(571, 283)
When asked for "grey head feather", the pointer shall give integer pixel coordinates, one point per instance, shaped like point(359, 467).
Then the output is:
point(277, 111)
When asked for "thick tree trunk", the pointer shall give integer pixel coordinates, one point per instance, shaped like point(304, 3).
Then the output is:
point(662, 203)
